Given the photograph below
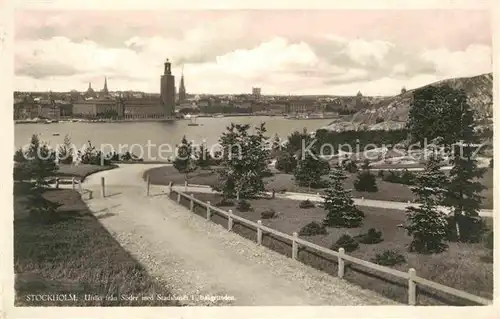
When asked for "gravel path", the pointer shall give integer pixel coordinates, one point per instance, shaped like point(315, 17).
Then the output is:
point(197, 258)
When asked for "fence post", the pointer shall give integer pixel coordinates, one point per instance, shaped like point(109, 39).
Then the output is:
point(170, 187)
point(259, 233)
point(57, 182)
point(295, 246)
point(341, 265)
point(178, 198)
point(362, 198)
point(412, 287)
point(185, 186)
point(230, 220)
point(148, 185)
point(191, 204)
point(80, 187)
point(208, 210)
point(73, 183)
point(102, 187)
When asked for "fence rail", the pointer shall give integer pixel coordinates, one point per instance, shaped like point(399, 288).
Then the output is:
point(410, 276)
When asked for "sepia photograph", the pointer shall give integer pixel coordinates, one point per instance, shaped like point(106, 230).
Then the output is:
point(252, 157)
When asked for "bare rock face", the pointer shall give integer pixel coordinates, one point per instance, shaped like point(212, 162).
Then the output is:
point(395, 109)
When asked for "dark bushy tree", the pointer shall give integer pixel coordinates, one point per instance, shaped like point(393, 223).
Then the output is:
point(309, 170)
point(244, 162)
point(347, 242)
point(426, 223)
point(285, 162)
point(65, 152)
point(203, 157)
point(184, 161)
point(339, 206)
point(366, 182)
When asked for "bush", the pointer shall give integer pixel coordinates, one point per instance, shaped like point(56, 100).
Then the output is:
point(472, 229)
point(371, 237)
point(266, 173)
point(350, 166)
point(268, 214)
point(366, 182)
point(389, 258)
point(347, 242)
point(285, 162)
point(243, 206)
point(381, 173)
point(306, 204)
point(313, 228)
point(406, 178)
point(224, 203)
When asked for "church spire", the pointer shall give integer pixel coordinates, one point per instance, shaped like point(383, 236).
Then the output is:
point(182, 88)
point(105, 89)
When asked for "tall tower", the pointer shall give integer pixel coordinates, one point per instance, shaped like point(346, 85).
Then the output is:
point(105, 89)
point(167, 90)
point(182, 88)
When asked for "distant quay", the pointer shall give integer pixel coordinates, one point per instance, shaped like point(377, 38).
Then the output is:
point(42, 121)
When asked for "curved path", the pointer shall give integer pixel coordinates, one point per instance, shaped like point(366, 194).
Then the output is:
point(196, 258)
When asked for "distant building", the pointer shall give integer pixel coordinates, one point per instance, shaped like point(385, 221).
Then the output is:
point(256, 92)
point(167, 91)
point(105, 91)
point(90, 92)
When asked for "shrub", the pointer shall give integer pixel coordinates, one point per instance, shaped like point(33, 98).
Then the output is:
point(472, 228)
point(347, 242)
point(313, 228)
point(381, 173)
point(371, 237)
point(389, 258)
point(285, 162)
point(268, 214)
point(224, 203)
point(366, 182)
point(306, 204)
point(243, 206)
point(266, 173)
point(350, 166)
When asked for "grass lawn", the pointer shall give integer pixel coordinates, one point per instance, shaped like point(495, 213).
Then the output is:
point(74, 254)
point(284, 182)
point(461, 266)
point(81, 170)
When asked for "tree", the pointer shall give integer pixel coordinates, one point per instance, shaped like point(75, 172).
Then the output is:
point(184, 161)
point(203, 157)
point(296, 141)
point(244, 162)
point(276, 145)
point(41, 162)
point(435, 112)
point(338, 203)
point(366, 182)
point(65, 152)
point(285, 162)
point(426, 223)
point(309, 170)
point(463, 192)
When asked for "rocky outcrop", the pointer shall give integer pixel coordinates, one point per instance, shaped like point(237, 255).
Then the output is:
point(479, 90)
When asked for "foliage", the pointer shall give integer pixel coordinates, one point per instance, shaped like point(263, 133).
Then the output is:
point(436, 112)
point(275, 146)
point(309, 170)
point(285, 162)
point(20, 156)
point(471, 228)
point(65, 153)
point(224, 202)
point(371, 237)
point(203, 157)
point(243, 206)
point(338, 203)
point(184, 161)
point(41, 209)
point(389, 258)
point(347, 242)
point(426, 223)
point(365, 182)
point(350, 166)
point(381, 174)
point(244, 162)
point(297, 141)
point(306, 204)
point(463, 193)
point(39, 163)
point(268, 214)
point(405, 178)
point(312, 229)
point(92, 156)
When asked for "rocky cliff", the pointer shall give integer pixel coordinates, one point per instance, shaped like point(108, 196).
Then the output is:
point(394, 109)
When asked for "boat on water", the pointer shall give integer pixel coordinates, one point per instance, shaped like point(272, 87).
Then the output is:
point(55, 134)
point(218, 116)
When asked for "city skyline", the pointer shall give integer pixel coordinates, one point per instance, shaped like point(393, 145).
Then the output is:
point(328, 52)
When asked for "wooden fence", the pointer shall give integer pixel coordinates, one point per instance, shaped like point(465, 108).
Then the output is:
point(410, 276)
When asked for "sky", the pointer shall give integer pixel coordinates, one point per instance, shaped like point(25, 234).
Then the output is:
point(331, 52)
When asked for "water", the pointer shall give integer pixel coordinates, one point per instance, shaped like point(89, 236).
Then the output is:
point(156, 133)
